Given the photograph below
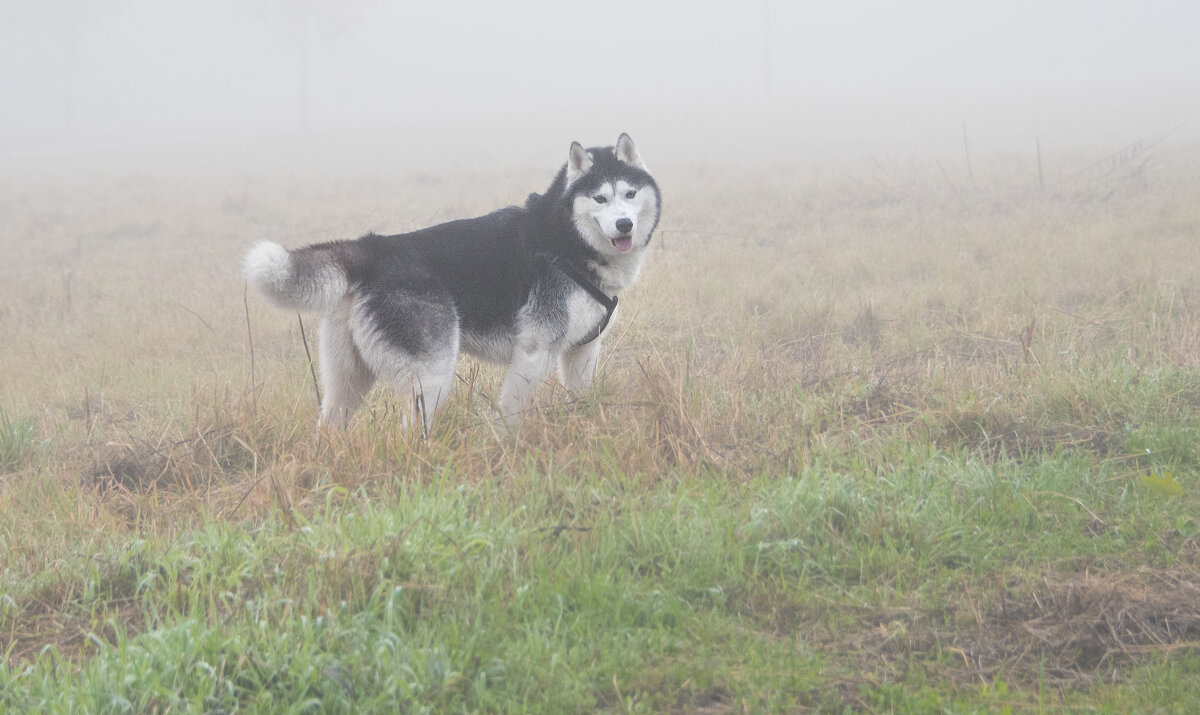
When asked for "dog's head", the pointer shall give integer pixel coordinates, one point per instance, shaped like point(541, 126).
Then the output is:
point(614, 200)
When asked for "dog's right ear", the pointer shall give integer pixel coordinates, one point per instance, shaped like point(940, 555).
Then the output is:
point(579, 162)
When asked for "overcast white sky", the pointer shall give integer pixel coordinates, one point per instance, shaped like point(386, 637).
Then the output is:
point(856, 75)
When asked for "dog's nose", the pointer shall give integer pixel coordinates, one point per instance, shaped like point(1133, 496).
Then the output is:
point(624, 225)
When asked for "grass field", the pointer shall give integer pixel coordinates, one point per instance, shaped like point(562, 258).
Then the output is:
point(873, 435)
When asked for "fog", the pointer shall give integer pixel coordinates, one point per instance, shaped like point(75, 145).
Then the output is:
point(751, 80)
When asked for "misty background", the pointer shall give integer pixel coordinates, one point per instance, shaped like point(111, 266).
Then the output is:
point(758, 80)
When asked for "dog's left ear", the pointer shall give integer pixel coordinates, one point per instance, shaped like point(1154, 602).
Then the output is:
point(579, 162)
point(628, 153)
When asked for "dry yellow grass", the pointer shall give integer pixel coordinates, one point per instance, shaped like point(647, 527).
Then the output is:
point(789, 316)
point(775, 297)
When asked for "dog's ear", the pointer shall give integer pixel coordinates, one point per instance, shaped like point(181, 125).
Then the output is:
point(579, 162)
point(628, 153)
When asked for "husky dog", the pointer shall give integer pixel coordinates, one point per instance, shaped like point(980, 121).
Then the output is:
point(531, 286)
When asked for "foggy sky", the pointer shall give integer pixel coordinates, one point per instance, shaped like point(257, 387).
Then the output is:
point(852, 75)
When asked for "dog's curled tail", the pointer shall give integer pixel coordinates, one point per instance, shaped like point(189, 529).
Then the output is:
point(306, 279)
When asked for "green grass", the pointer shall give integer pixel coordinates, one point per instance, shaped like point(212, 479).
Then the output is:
point(561, 595)
point(851, 448)
point(17, 441)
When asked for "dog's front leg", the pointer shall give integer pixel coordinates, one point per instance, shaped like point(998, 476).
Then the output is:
point(529, 366)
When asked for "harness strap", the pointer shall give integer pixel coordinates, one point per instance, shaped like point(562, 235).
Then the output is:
point(575, 273)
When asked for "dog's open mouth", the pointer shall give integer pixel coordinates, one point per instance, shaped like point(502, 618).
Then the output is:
point(623, 243)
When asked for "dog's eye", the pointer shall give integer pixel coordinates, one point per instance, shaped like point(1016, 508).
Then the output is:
point(599, 199)
point(631, 193)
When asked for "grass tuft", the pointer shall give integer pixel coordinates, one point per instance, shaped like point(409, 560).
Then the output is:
point(17, 441)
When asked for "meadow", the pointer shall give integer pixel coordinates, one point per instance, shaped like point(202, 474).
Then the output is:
point(889, 434)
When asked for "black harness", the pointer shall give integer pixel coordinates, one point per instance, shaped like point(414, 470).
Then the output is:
point(577, 274)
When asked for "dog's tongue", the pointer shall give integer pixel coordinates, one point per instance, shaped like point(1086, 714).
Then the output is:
point(624, 243)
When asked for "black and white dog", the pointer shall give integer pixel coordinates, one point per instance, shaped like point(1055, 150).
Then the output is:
point(530, 286)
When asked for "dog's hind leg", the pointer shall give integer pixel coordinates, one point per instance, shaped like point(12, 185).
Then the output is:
point(431, 384)
point(410, 341)
point(345, 377)
point(577, 365)
point(528, 367)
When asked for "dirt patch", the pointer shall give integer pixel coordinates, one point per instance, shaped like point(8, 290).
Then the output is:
point(1003, 433)
point(54, 615)
point(1066, 631)
point(1089, 625)
point(144, 464)
point(70, 635)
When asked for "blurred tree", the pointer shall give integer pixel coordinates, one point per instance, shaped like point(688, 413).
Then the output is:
point(65, 21)
point(302, 23)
